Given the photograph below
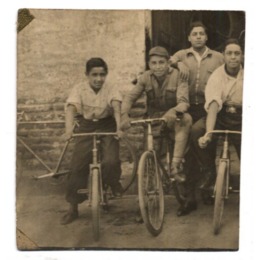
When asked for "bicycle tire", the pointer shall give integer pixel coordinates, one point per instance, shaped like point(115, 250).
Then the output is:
point(150, 193)
point(128, 179)
point(220, 191)
point(171, 185)
point(95, 203)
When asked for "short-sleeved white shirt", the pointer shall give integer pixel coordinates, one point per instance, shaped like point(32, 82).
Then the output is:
point(93, 105)
point(224, 89)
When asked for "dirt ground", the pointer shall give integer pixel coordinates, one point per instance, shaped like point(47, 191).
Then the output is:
point(40, 205)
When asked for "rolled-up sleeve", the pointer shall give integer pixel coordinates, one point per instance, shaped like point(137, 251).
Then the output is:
point(115, 95)
point(213, 91)
point(182, 96)
point(74, 99)
point(178, 56)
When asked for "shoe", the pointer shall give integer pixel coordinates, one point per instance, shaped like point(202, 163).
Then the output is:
point(69, 217)
point(207, 197)
point(117, 190)
point(209, 181)
point(187, 208)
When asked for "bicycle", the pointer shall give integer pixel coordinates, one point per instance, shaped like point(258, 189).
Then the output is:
point(221, 188)
point(56, 173)
point(153, 179)
point(96, 190)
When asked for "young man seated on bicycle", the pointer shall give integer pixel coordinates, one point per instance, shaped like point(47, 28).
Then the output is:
point(99, 106)
point(223, 95)
point(166, 95)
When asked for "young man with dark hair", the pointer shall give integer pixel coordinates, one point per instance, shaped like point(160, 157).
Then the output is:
point(195, 64)
point(223, 105)
point(224, 108)
point(98, 106)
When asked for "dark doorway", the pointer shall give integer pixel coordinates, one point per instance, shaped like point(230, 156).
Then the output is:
point(169, 28)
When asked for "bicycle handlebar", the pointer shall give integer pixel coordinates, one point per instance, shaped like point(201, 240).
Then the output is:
point(222, 132)
point(148, 121)
point(95, 134)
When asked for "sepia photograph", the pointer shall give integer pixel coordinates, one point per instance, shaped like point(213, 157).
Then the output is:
point(128, 129)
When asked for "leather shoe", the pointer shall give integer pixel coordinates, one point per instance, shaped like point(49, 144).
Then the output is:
point(69, 217)
point(117, 190)
point(187, 208)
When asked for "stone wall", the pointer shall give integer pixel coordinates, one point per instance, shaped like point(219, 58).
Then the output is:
point(51, 55)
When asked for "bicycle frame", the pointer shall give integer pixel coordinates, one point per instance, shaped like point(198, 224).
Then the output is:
point(221, 188)
point(225, 153)
point(150, 175)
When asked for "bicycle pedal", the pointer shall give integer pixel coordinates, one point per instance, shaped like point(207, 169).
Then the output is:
point(232, 190)
point(82, 191)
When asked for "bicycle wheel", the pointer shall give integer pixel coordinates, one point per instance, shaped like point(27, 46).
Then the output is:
point(150, 193)
point(95, 201)
point(220, 192)
point(128, 158)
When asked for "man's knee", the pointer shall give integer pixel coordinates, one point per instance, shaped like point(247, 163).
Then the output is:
point(187, 120)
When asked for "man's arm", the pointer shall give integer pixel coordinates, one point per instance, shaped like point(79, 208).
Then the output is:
point(177, 62)
point(182, 97)
point(131, 97)
point(210, 123)
point(69, 121)
point(128, 100)
point(116, 105)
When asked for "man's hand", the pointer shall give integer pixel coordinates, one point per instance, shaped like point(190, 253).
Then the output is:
point(177, 167)
point(120, 134)
point(184, 71)
point(204, 141)
point(67, 136)
point(125, 122)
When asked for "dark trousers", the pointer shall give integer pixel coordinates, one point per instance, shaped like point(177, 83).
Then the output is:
point(82, 157)
point(198, 159)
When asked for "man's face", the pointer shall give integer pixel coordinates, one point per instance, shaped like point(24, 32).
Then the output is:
point(97, 77)
point(159, 65)
point(198, 37)
point(233, 56)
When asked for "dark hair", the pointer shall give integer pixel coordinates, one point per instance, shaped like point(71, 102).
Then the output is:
point(96, 62)
point(197, 24)
point(232, 41)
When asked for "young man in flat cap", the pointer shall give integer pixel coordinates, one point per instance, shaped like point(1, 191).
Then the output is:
point(166, 95)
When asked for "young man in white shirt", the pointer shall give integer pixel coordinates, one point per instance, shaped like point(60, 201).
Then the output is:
point(98, 106)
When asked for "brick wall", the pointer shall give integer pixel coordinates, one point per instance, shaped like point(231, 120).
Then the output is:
point(51, 55)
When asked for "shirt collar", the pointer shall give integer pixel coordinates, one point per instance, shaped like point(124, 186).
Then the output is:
point(208, 52)
point(239, 74)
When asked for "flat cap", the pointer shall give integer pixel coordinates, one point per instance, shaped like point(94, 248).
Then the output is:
point(159, 51)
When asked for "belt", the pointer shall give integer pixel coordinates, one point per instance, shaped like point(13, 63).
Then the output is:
point(231, 109)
